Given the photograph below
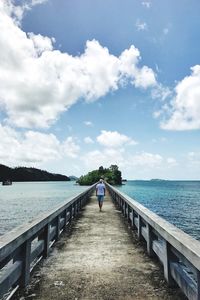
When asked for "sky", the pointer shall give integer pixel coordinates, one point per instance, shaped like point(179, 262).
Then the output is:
point(89, 83)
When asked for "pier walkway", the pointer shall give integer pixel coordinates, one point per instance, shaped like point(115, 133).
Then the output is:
point(99, 258)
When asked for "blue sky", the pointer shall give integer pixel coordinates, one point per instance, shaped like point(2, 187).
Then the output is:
point(87, 83)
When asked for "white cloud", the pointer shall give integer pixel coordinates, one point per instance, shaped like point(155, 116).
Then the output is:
point(41, 43)
point(33, 147)
point(106, 157)
point(146, 4)
point(114, 139)
point(37, 82)
point(88, 123)
point(17, 11)
point(71, 148)
point(161, 92)
point(88, 140)
point(185, 107)
point(128, 163)
point(171, 162)
point(145, 78)
point(141, 26)
point(146, 159)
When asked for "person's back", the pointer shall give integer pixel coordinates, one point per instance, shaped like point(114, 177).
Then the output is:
point(100, 193)
point(100, 187)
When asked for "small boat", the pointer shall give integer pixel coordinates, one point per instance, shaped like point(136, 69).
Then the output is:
point(7, 182)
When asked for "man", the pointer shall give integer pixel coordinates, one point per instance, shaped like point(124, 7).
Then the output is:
point(100, 193)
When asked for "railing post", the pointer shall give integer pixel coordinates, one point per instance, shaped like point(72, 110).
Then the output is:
point(198, 285)
point(25, 257)
point(166, 263)
point(125, 209)
point(57, 228)
point(128, 213)
point(139, 227)
point(46, 240)
point(132, 218)
point(70, 213)
point(65, 217)
point(149, 240)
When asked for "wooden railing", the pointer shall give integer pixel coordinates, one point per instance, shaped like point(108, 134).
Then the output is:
point(178, 252)
point(23, 248)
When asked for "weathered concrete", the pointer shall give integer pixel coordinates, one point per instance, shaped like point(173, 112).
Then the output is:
point(99, 259)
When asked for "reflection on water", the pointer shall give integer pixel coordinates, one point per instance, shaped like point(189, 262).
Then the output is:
point(23, 201)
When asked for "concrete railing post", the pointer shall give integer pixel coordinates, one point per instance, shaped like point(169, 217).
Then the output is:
point(139, 227)
point(57, 228)
point(132, 218)
point(198, 285)
point(46, 240)
point(166, 263)
point(25, 256)
point(149, 240)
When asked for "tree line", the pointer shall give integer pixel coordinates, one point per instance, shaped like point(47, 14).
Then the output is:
point(28, 174)
point(112, 175)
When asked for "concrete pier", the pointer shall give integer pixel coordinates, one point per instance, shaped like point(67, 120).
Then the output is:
point(99, 258)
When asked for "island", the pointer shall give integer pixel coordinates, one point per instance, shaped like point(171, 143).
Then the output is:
point(28, 174)
point(112, 175)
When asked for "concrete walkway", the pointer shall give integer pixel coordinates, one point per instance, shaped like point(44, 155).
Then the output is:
point(99, 259)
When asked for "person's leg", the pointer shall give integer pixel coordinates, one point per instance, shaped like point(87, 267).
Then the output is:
point(101, 203)
point(99, 200)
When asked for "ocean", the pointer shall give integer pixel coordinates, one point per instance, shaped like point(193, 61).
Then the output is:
point(176, 201)
point(21, 202)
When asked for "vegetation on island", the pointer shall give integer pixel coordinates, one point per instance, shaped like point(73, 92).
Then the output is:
point(112, 175)
point(29, 174)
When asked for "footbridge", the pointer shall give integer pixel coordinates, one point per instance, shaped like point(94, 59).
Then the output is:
point(76, 252)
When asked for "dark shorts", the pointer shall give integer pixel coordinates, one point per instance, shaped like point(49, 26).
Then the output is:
point(100, 198)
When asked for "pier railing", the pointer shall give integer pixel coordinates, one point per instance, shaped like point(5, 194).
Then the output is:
point(178, 252)
point(24, 247)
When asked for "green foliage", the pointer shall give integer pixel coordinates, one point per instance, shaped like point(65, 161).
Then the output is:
point(29, 174)
point(112, 175)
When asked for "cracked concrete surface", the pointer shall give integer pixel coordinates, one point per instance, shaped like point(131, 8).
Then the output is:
point(99, 258)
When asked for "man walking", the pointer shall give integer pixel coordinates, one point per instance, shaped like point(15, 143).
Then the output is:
point(100, 193)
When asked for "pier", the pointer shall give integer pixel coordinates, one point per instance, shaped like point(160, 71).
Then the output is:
point(89, 254)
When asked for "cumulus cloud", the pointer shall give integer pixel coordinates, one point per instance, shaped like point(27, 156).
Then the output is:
point(71, 148)
point(184, 112)
point(17, 11)
point(33, 147)
point(96, 158)
point(127, 161)
point(146, 159)
point(37, 82)
point(114, 139)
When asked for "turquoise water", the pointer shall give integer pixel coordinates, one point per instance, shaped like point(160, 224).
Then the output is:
point(176, 201)
point(22, 202)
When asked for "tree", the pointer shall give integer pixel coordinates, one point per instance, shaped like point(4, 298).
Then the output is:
point(112, 175)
